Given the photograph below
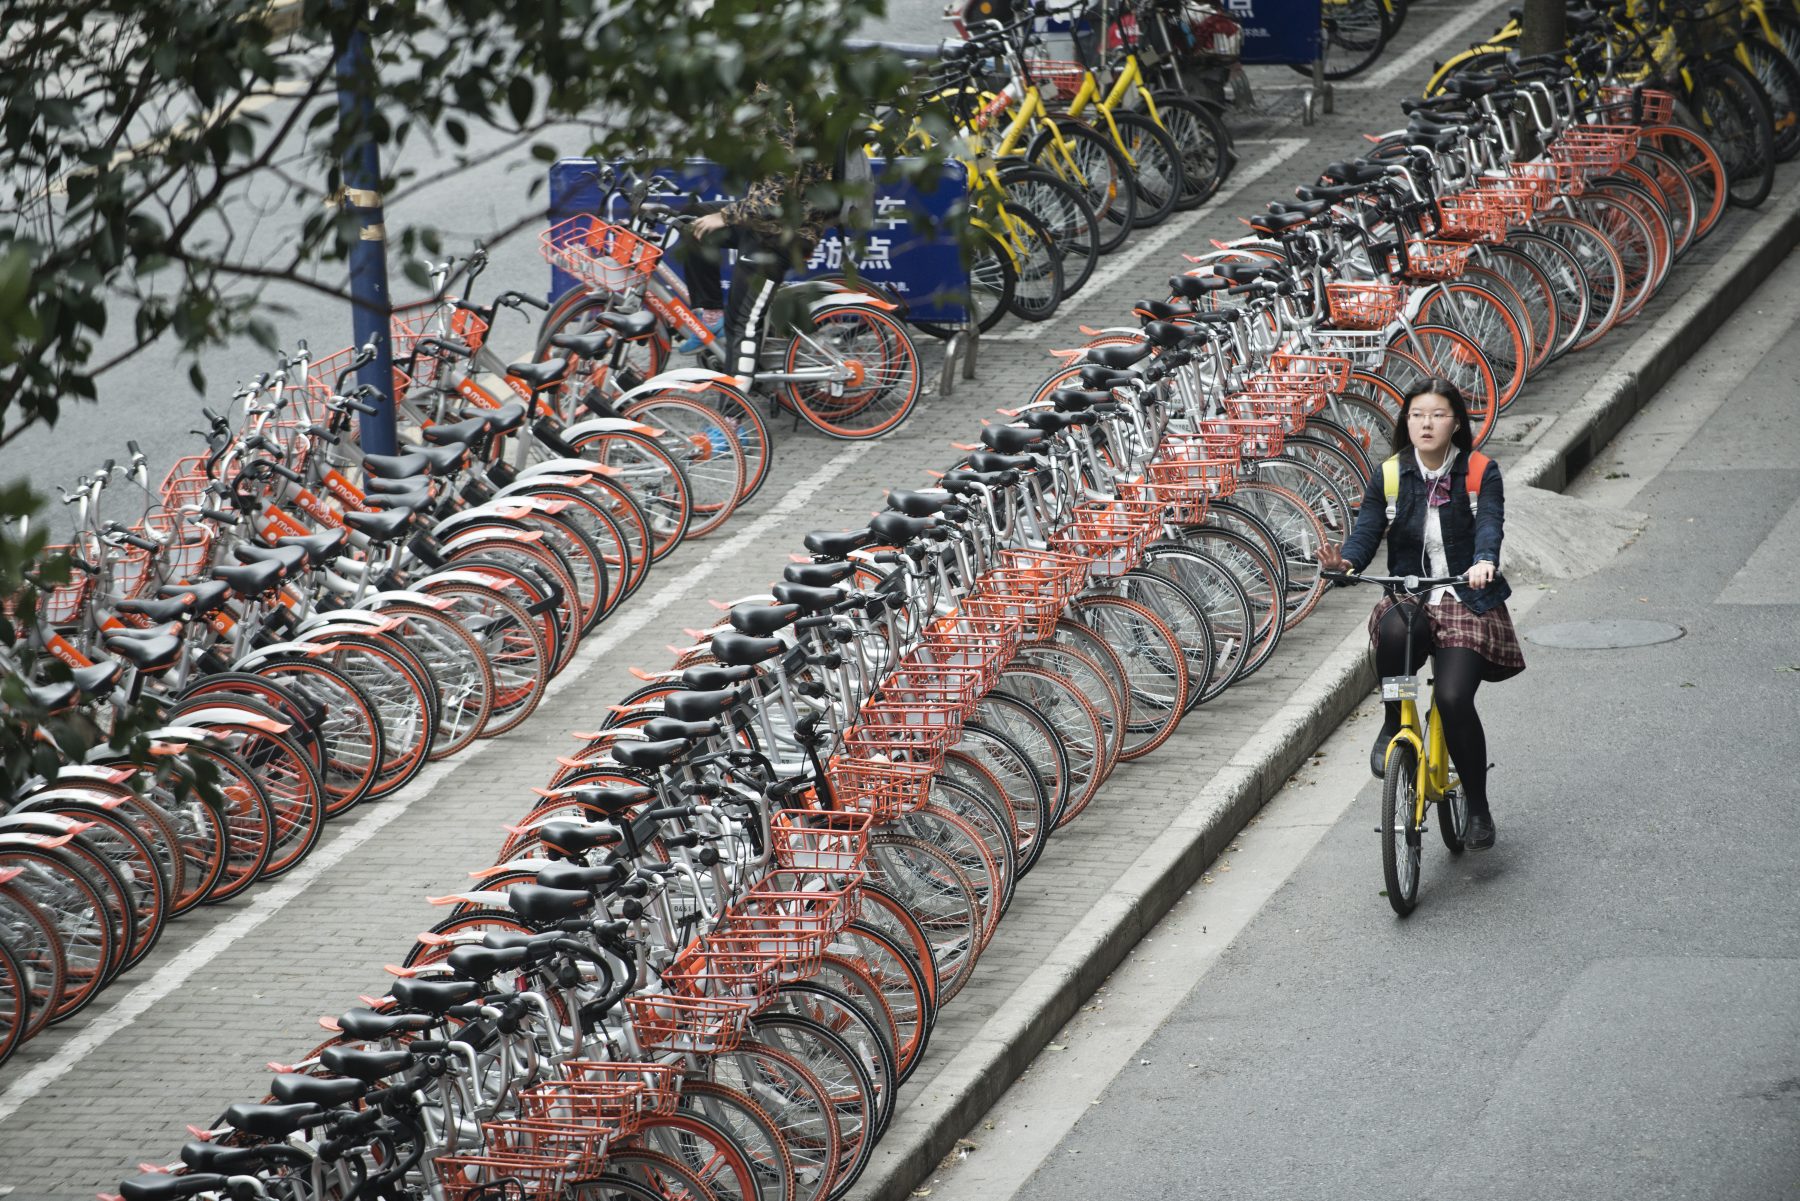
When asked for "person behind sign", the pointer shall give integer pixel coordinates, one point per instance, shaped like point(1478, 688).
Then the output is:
point(1442, 507)
point(757, 227)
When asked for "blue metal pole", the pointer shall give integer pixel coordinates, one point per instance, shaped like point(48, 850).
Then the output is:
point(362, 198)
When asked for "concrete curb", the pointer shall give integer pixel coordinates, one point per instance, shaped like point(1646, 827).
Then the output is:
point(964, 1089)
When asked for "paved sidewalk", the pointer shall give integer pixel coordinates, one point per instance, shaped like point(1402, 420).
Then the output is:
point(236, 986)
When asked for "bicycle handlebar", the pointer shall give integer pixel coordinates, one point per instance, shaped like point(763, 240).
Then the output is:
point(1411, 584)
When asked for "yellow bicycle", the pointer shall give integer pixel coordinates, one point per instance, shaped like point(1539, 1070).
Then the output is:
point(1418, 766)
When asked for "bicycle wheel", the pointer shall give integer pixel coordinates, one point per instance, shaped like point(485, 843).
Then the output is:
point(1298, 534)
point(855, 1107)
point(884, 912)
point(1452, 810)
point(1436, 350)
point(655, 480)
point(74, 906)
point(1109, 698)
point(458, 667)
point(1034, 734)
point(1633, 241)
point(1076, 722)
point(1311, 484)
point(1087, 159)
point(1700, 163)
point(1155, 166)
point(1570, 288)
point(1366, 421)
point(834, 1011)
point(1480, 316)
point(16, 981)
point(1341, 451)
point(1484, 276)
point(1204, 144)
point(1172, 605)
point(938, 899)
point(1221, 598)
point(249, 819)
point(596, 516)
point(754, 1129)
point(726, 1177)
point(1065, 212)
point(35, 942)
point(958, 841)
point(1400, 847)
point(1679, 199)
point(1734, 113)
point(883, 366)
point(1259, 579)
point(708, 450)
point(349, 728)
point(1536, 297)
point(977, 796)
point(397, 692)
point(717, 1160)
point(1154, 663)
point(511, 641)
point(1602, 268)
point(1353, 36)
point(1350, 476)
point(797, 1102)
point(1020, 786)
point(1780, 81)
point(885, 966)
point(1038, 289)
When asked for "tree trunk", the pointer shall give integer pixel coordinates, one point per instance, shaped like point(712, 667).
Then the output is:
point(1542, 27)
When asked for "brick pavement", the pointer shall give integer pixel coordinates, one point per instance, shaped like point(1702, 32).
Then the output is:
point(233, 987)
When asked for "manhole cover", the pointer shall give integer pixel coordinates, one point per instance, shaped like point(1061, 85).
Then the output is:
point(1605, 635)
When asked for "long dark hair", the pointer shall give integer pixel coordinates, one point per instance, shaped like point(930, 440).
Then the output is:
point(1436, 385)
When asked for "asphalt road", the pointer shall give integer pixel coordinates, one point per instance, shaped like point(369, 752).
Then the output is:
point(1605, 1006)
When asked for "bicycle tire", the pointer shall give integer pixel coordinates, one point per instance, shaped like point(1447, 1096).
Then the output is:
point(459, 670)
point(1740, 125)
point(1204, 144)
point(1699, 163)
point(1570, 287)
point(512, 642)
point(1450, 353)
point(72, 904)
point(655, 480)
point(1056, 700)
point(1780, 81)
point(1600, 265)
point(955, 839)
point(796, 1101)
point(902, 986)
point(1536, 300)
point(1155, 163)
point(1067, 215)
point(1172, 605)
point(1258, 577)
point(888, 377)
point(1484, 319)
point(1155, 663)
point(15, 1002)
point(1024, 789)
point(1086, 673)
point(855, 1106)
point(35, 942)
point(1088, 160)
point(1037, 263)
point(1299, 535)
point(1220, 596)
point(754, 1130)
point(1633, 240)
point(709, 1152)
point(1400, 850)
point(939, 901)
point(1679, 198)
point(708, 450)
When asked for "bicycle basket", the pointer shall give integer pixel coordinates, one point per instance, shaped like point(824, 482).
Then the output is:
point(1470, 217)
point(607, 258)
point(1258, 439)
point(60, 604)
point(1330, 372)
point(879, 787)
point(1431, 258)
point(730, 973)
point(1035, 598)
point(1637, 105)
point(1058, 79)
point(820, 840)
point(1364, 305)
point(1288, 411)
point(690, 1025)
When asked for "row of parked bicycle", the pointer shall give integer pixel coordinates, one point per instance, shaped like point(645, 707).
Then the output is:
point(706, 957)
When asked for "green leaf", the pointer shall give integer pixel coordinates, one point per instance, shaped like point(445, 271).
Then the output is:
point(520, 97)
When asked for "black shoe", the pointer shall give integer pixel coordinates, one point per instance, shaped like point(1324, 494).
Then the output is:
point(1480, 835)
point(1378, 753)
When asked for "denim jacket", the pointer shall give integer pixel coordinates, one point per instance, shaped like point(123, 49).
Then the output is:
point(1469, 537)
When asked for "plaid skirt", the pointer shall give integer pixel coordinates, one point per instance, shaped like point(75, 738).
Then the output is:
point(1490, 635)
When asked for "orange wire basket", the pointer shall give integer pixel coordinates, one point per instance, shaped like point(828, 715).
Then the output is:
point(604, 1093)
point(905, 733)
point(1288, 387)
point(412, 322)
point(1069, 572)
point(1638, 105)
point(1433, 258)
point(818, 840)
point(1185, 468)
point(1364, 305)
point(1330, 372)
point(687, 1025)
point(1516, 201)
point(536, 1176)
point(1549, 177)
point(796, 901)
point(579, 1145)
point(187, 546)
point(322, 376)
point(186, 483)
point(1059, 77)
point(1469, 217)
point(1597, 148)
point(61, 605)
point(607, 258)
point(918, 680)
point(1034, 598)
point(1288, 411)
point(1260, 439)
point(880, 787)
point(731, 973)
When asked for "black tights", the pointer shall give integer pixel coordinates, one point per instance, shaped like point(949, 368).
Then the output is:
point(1457, 672)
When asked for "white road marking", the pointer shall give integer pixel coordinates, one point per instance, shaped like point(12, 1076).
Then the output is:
point(1281, 149)
point(1392, 71)
point(268, 902)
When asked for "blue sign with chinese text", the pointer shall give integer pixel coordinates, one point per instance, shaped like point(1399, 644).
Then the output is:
point(1278, 31)
point(917, 259)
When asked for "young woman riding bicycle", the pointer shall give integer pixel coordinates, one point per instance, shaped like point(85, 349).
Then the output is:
point(1439, 524)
